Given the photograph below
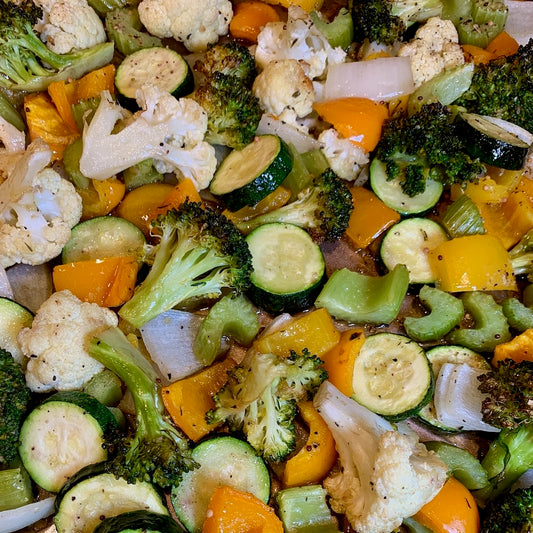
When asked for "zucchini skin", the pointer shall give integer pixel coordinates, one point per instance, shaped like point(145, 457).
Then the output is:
point(140, 521)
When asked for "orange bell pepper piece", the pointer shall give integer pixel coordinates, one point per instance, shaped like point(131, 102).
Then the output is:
point(358, 119)
point(339, 361)
point(452, 510)
point(63, 95)
point(96, 81)
point(520, 348)
point(188, 400)
point(108, 282)
point(369, 218)
point(184, 190)
point(502, 45)
point(314, 331)
point(472, 263)
point(316, 457)
point(476, 54)
point(249, 18)
point(231, 510)
point(101, 197)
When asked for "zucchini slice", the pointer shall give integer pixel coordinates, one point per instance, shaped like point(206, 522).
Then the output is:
point(288, 268)
point(139, 521)
point(248, 175)
point(63, 434)
point(101, 237)
point(223, 461)
point(13, 317)
point(494, 141)
point(392, 376)
point(160, 66)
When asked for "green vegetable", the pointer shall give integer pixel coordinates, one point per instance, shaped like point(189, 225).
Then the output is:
point(491, 327)
point(106, 387)
point(521, 255)
point(363, 299)
point(140, 521)
point(15, 488)
point(199, 254)
point(446, 311)
point(141, 174)
point(231, 316)
point(260, 398)
point(10, 113)
point(26, 64)
point(463, 218)
point(510, 513)
point(71, 164)
point(339, 31)
point(485, 20)
point(519, 316)
point(104, 6)
point(14, 403)
point(155, 450)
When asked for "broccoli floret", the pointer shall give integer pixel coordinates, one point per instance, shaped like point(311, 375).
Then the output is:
point(233, 111)
point(507, 458)
point(426, 145)
point(510, 513)
point(230, 59)
point(521, 255)
point(503, 88)
point(260, 398)
point(25, 61)
point(323, 209)
point(155, 451)
point(509, 386)
point(199, 255)
point(385, 21)
point(14, 403)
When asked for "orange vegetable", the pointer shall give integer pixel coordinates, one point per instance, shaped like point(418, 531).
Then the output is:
point(188, 400)
point(184, 190)
point(472, 263)
point(316, 457)
point(358, 119)
point(496, 223)
point(249, 18)
point(44, 121)
point(314, 331)
point(340, 359)
point(370, 217)
point(108, 282)
point(476, 54)
point(502, 45)
point(139, 204)
point(231, 510)
point(453, 510)
point(96, 81)
point(101, 197)
point(63, 95)
point(520, 348)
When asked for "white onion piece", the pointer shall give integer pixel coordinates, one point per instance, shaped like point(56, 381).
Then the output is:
point(519, 20)
point(277, 323)
point(31, 285)
point(16, 519)
point(169, 339)
point(300, 140)
point(5, 286)
point(457, 398)
point(524, 481)
point(378, 79)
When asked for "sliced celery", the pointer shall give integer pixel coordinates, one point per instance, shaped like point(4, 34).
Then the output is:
point(106, 387)
point(142, 173)
point(519, 316)
point(472, 33)
point(315, 161)
point(71, 164)
point(299, 177)
point(9, 112)
point(15, 488)
point(463, 218)
point(338, 32)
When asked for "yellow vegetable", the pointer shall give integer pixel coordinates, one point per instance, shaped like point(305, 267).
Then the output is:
point(520, 348)
point(306, 5)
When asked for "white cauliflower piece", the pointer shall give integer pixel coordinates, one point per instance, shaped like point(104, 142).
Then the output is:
point(57, 343)
point(344, 157)
point(168, 130)
point(38, 208)
point(434, 48)
point(385, 475)
point(70, 25)
point(297, 38)
point(14, 142)
point(195, 24)
point(282, 85)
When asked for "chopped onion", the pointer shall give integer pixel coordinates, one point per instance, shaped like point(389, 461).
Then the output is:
point(169, 339)
point(378, 79)
point(458, 400)
point(31, 285)
point(5, 286)
point(301, 141)
point(519, 20)
point(16, 519)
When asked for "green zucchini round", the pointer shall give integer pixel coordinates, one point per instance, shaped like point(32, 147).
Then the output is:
point(141, 522)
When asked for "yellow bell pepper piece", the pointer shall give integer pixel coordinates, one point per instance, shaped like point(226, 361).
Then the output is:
point(101, 197)
point(306, 5)
point(314, 331)
point(316, 457)
point(472, 263)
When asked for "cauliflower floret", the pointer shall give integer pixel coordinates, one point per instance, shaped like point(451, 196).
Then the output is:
point(299, 39)
point(70, 25)
point(14, 142)
point(385, 475)
point(434, 48)
point(344, 157)
point(195, 24)
point(283, 85)
point(38, 208)
point(57, 343)
point(168, 130)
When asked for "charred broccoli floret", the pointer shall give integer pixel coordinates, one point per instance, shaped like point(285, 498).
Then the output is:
point(200, 253)
point(25, 61)
point(385, 21)
point(155, 451)
point(510, 513)
point(426, 145)
point(323, 209)
point(503, 88)
point(14, 402)
point(260, 398)
point(509, 386)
